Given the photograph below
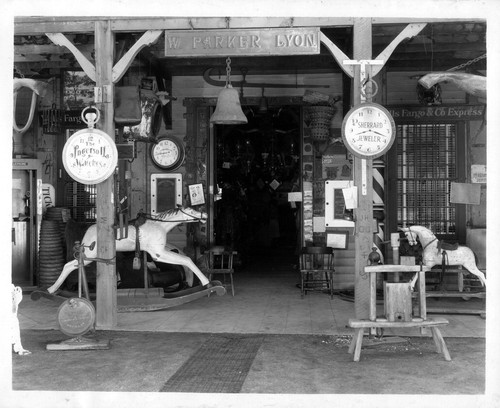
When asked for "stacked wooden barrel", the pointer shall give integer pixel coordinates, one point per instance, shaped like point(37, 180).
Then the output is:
point(52, 251)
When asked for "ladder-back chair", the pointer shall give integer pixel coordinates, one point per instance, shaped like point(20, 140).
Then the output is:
point(220, 262)
point(316, 269)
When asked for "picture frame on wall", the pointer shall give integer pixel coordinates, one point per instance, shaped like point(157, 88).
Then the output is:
point(337, 239)
point(335, 204)
point(196, 195)
point(166, 192)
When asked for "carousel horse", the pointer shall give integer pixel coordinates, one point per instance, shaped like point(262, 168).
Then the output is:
point(152, 239)
point(433, 251)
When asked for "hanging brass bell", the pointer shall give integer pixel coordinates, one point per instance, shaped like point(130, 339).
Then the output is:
point(228, 110)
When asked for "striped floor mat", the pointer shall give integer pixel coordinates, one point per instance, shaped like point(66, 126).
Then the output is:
point(221, 364)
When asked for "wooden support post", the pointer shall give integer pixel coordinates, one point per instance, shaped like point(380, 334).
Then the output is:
point(106, 302)
point(363, 173)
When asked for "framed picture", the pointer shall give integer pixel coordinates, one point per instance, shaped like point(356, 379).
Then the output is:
point(338, 239)
point(166, 192)
point(335, 204)
point(196, 195)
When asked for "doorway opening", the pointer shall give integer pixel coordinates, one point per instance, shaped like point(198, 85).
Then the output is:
point(256, 166)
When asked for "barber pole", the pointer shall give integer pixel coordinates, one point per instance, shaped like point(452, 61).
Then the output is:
point(378, 203)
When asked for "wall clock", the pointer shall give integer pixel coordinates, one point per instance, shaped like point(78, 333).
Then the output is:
point(368, 130)
point(168, 153)
point(90, 156)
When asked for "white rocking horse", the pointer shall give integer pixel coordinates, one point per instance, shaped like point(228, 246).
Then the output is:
point(433, 252)
point(152, 238)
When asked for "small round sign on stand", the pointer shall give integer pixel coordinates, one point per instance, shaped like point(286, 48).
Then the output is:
point(76, 317)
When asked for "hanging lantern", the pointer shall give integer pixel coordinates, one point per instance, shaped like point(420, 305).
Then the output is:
point(228, 110)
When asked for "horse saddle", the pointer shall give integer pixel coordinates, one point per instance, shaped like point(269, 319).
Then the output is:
point(447, 246)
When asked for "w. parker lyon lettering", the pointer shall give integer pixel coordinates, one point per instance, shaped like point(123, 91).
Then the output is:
point(242, 42)
point(229, 41)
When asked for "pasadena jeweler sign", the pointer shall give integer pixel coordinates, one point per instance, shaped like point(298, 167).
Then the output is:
point(217, 43)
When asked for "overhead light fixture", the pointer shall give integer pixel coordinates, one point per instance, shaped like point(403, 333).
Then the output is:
point(228, 110)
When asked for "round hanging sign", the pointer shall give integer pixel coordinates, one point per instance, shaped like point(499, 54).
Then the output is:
point(76, 316)
point(368, 130)
point(90, 156)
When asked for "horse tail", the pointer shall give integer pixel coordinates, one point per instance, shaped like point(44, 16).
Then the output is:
point(476, 258)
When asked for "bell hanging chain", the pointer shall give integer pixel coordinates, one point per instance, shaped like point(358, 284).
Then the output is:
point(228, 71)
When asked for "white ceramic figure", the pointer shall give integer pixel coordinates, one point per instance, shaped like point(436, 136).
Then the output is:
point(17, 296)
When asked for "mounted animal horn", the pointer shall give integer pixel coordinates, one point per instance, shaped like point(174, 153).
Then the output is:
point(39, 88)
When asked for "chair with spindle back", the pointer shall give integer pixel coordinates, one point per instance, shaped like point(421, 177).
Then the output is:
point(316, 269)
point(220, 262)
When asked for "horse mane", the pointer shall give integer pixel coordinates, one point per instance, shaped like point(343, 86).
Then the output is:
point(419, 228)
point(167, 213)
point(422, 228)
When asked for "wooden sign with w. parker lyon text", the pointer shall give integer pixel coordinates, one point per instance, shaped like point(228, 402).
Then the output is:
point(283, 41)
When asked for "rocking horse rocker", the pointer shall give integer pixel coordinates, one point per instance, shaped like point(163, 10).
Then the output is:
point(436, 252)
point(150, 234)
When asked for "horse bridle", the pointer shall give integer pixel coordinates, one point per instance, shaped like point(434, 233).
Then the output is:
point(192, 216)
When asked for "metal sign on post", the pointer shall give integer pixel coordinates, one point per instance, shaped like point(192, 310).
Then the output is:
point(90, 155)
point(364, 81)
point(368, 132)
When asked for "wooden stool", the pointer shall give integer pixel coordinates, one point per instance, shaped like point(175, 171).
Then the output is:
point(361, 325)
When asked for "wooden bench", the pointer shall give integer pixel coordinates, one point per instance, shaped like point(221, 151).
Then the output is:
point(420, 322)
point(360, 326)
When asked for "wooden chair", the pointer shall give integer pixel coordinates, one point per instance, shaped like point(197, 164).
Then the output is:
point(220, 262)
point(318, 261)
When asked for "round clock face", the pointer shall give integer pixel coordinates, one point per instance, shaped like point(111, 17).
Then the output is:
point(90, 156)
point(167, 154)
point(368, 130)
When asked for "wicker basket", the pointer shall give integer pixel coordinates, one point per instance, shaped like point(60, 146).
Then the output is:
point(320, 114)
point(320, 134)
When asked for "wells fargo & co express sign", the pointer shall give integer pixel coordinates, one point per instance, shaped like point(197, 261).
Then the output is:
point(437, 113)
point(283, 41)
